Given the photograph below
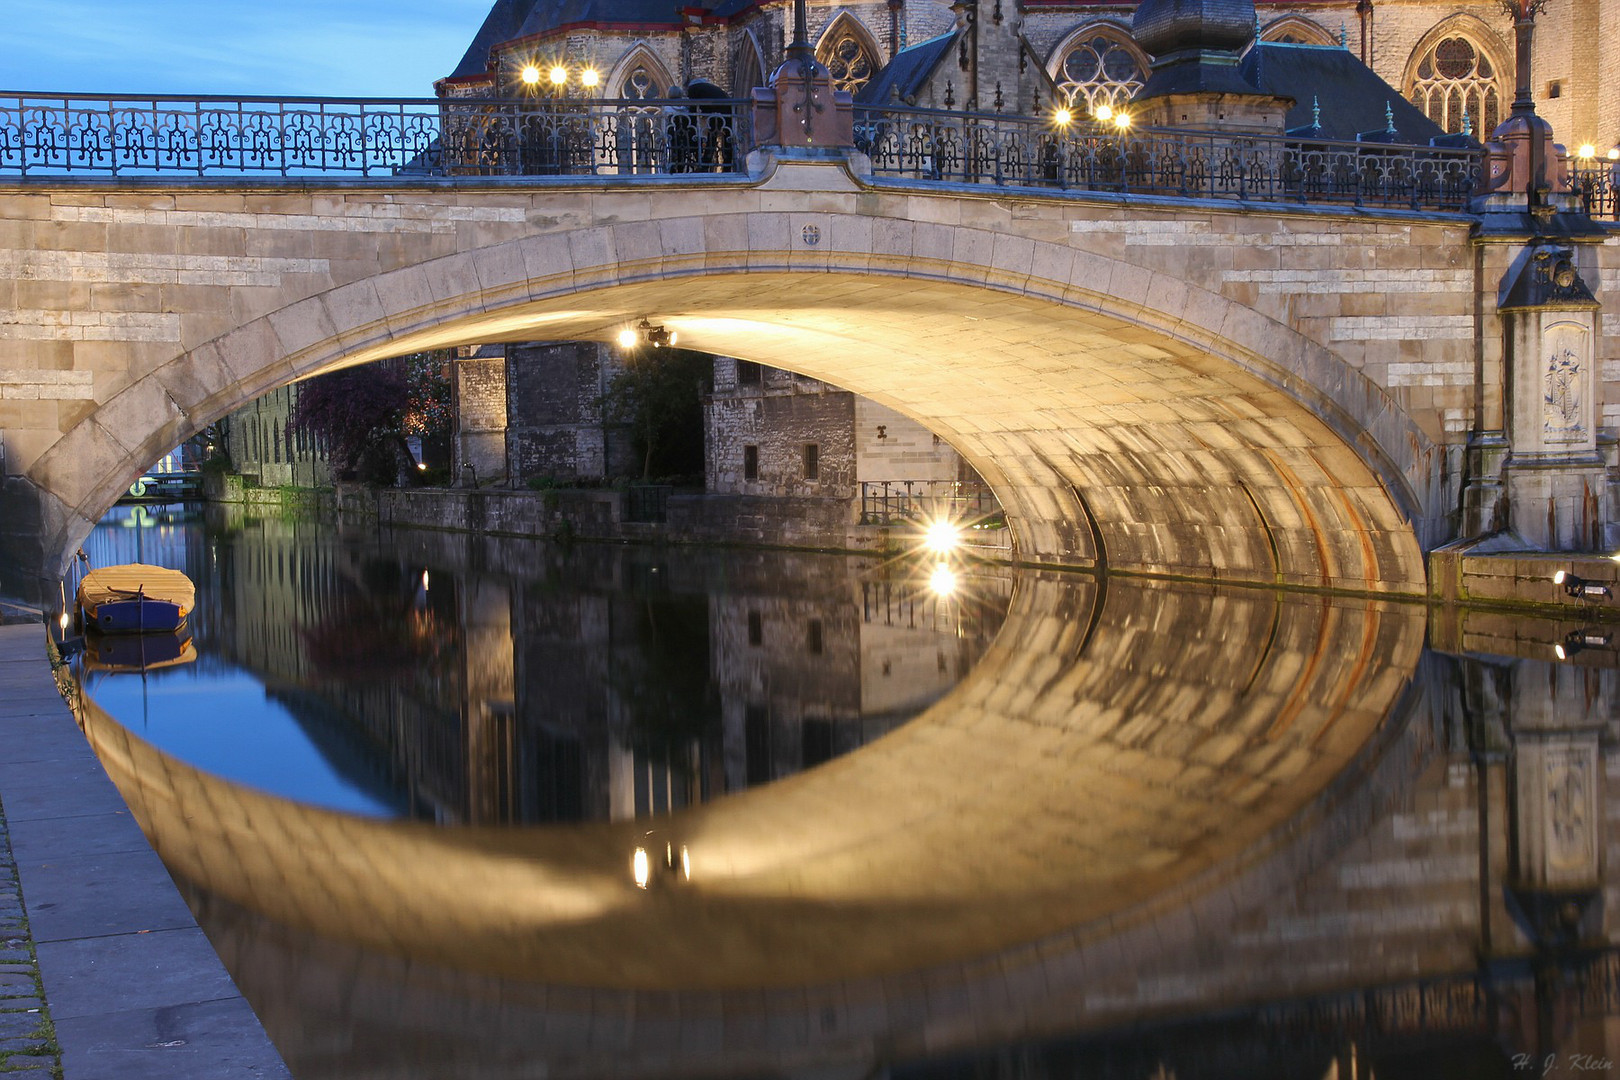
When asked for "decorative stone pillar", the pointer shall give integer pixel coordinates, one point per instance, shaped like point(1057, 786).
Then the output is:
point(799, 107)
point(1555, 478)
point(1554, 490)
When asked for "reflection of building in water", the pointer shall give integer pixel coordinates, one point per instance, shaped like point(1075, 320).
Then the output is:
point(817, 667)
point(604, 683)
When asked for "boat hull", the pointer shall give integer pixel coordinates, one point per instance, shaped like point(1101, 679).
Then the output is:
point(138, 615)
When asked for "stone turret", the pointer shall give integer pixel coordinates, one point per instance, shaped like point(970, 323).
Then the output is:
point(1196, 81)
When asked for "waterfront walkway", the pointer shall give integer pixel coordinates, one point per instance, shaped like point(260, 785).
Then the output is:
point(103, 970)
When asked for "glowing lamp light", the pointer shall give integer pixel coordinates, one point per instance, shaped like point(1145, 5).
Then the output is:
point(641, 868)
point(1586, 152)
point(421, 466)
point(62, 621)
point(1614, 154)
point(1062, 118)
point(530, 74)
point(1558, 650)
point(559, 75)
point(424, 580)
point(942, 581)
point(589, 77)
point(1104, 113)
point(941, 537)
point(1578, 588)
point(1122, 121)
point(686, 863)
point(628, 338)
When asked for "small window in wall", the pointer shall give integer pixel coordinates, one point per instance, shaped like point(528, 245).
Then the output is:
point(748, 373)
point(812, 637)
point(276, 435)
point(1555, 89)
point(750, 463)
point(812, 461)
point(756, 630)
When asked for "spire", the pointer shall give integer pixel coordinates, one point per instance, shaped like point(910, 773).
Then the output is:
point(1316, 113)
point(1389, 119)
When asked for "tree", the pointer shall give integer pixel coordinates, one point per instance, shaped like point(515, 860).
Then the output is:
point(350, 412)
point(361, 415)
point(659, 394)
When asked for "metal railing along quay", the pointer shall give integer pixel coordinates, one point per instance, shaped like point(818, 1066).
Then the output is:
point(893, 502)
point(128, 136)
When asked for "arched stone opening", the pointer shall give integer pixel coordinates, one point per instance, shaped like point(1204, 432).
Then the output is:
point(1116, 432)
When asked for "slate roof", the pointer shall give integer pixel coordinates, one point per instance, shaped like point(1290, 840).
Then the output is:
point(907, 72)
point(510, 20)
point(1351, 95)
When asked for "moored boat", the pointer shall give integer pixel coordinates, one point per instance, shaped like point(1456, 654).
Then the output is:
point(135, 598)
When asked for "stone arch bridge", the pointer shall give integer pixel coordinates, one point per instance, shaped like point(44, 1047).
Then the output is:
point(1255, 392)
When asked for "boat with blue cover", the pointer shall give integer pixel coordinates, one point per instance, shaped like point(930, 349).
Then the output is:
point(135, 598)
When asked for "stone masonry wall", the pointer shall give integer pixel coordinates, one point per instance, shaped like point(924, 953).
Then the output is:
point(207, 299)
point(780, 417)
point(556, 426)
point(480, 437)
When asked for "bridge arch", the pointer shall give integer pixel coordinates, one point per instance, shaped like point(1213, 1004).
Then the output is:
point(1124, 416)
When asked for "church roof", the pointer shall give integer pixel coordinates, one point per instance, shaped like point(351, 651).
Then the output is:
point(1351, 96)
point(908, 72)
point(501, 24)
point(514, 20)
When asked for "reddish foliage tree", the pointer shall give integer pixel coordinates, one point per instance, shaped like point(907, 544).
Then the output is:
point(350, 412)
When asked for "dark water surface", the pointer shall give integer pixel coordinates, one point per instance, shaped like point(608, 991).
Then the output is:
point(1032, 825)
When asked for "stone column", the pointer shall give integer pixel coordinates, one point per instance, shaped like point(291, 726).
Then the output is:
point(1555, 479)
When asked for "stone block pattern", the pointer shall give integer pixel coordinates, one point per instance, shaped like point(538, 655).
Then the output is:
point(1189, 371)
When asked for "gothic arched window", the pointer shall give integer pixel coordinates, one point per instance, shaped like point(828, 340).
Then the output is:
point(1098, 69)
point(848, 56)
point(1453, 78)
point(638, 85)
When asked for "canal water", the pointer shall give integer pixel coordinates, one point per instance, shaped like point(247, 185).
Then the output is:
point(486, 807)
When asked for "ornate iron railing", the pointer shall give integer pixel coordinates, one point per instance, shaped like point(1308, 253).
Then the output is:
point(1023, 151)
point(124, 136)
point(891, 502)
point(1597, 182)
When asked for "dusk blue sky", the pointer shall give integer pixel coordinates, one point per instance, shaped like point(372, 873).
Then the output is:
point(327, 48)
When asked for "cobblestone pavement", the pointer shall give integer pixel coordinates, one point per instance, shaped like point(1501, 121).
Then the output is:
point(27, 1039)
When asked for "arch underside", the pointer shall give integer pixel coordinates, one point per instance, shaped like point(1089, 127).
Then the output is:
point(1109, 442)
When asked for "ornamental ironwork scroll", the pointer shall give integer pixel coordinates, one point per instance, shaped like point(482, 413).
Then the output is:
point(1014, 151)
point(125, 136)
